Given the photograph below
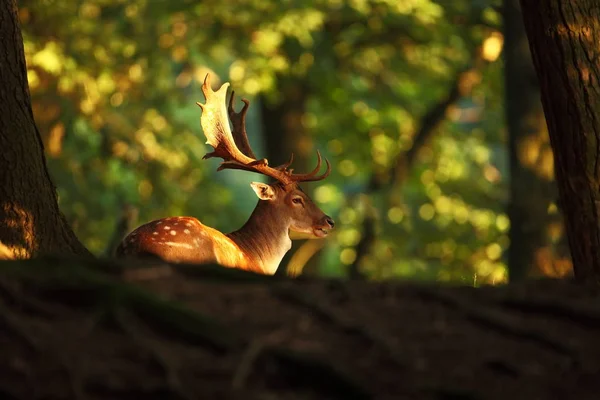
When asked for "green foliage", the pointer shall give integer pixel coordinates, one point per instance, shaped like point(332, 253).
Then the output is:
point(114, 85)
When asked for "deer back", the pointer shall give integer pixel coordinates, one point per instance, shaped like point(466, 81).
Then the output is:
point(183, 240)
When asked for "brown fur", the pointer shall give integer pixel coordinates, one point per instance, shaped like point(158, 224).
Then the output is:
point(258, 246)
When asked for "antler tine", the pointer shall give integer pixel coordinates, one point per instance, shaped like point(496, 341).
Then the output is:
point(233, 146)
point(311, 176)
point(215, 124)
point(285, 166)
point(238, 121)
point(319, 177)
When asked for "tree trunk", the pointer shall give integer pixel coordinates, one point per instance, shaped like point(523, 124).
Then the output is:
point(285, 134)
point(283, 128)
point(532, 188)
point(564, 37)
point(30, 221)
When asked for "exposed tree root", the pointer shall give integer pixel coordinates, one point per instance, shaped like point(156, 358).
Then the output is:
point(250, 356)
point(17, 328)
point(12, 294)
point(348, 323)
point(74, 330)
point(578, 312)
point(330, 380)
point(502, 322)
point(142, 338)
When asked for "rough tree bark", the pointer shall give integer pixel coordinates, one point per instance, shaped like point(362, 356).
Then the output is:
point(563, 37)
point(531, 190)
point(30, 220)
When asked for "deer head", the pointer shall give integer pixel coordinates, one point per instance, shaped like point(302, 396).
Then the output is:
point(283, 197)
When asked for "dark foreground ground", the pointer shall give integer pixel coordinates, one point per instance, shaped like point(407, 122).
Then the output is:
point(66, 333)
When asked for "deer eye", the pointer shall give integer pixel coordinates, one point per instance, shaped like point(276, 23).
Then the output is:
point(297, 200)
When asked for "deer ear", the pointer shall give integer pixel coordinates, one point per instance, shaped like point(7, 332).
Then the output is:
point(263, 191)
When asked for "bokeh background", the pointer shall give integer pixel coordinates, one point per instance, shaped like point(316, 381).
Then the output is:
point(406, 98)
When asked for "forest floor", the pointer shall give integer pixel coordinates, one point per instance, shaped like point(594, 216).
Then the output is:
point(68, 333)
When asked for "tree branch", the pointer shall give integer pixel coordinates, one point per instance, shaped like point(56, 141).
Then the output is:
point(403, 162)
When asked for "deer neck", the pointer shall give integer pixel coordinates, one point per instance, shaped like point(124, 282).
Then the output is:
point(264, 238)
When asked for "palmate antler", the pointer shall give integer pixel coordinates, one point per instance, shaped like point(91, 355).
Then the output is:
point(233, 146)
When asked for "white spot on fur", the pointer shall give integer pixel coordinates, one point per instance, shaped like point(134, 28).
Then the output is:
point(166, 228)
point(173, 233)
point(177, 244)
point(176, 223)
point(186, 231)
point(188, 225)
point(155, 233)
point(159, 222)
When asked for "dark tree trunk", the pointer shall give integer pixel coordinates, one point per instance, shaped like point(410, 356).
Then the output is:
point(564, 37)
point(30, 221)
point(531, 188)
point(283, 129)
point(285, 134)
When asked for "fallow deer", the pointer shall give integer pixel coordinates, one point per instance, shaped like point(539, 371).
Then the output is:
point(264, 239)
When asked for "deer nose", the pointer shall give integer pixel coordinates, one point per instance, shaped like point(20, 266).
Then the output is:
point(329, 221)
